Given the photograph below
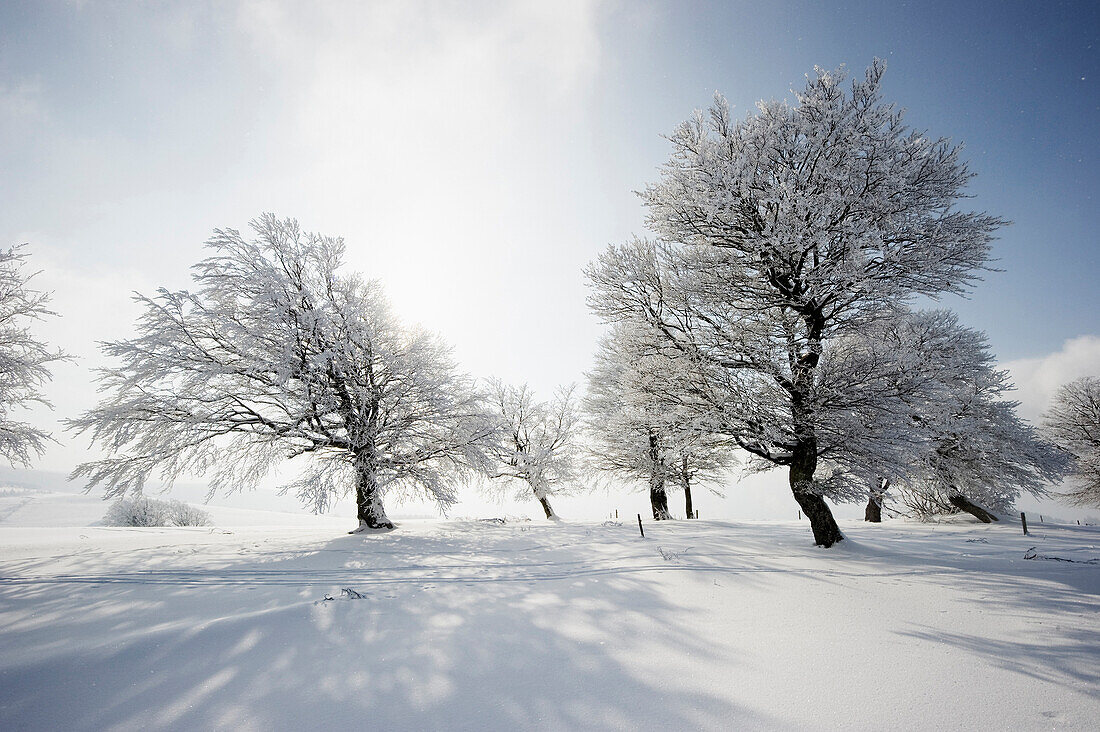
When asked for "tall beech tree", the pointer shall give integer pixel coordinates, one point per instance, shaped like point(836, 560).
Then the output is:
point(536, 445)
point(644, 419)
point(972, 452)
point(788, 230)
point(276, 354)
point(624, 418)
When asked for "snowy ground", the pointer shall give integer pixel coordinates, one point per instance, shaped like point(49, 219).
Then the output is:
point(477, 625)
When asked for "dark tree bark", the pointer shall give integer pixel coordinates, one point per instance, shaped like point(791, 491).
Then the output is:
point(874, 502)
point(803, 463)
point(545, 502)
point(658, 499)
point(964, 504)
point(873, 512)
point(824, 526)
point(368, 499)
point(686, 482)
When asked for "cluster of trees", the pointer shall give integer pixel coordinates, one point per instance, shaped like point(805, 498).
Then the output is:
point(772, 317)
point(140, 510)
point(791, 246)
point(641, 429)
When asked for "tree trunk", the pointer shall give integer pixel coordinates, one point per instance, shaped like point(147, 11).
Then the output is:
point(658, 499)
point(963, 504)
point(368, 498)
point(824, 526)
point(539, 490)
point(545, 502)
point(686, 482)
point(803, 465)
point(804, 455)
point(546, 507)
point(873, 513)
point(874, 502)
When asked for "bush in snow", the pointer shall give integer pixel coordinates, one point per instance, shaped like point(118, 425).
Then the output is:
point(144, 511)
point(970, 450)
point(183, 514)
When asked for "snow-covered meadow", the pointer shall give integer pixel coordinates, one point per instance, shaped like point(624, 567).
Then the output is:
point(283, 621)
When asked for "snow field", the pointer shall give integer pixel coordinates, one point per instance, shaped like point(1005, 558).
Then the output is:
point(475, 625)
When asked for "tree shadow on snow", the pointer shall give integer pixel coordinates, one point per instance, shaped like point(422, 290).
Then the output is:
point(1040, 605)
point(471, 627)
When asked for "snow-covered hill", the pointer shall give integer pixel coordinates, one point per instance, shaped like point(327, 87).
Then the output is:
point(530, 625)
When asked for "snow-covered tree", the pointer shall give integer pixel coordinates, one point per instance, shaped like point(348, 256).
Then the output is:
point(273, 355)
point(975, 454)
point(24, 360)
point(537, 442)
point(787, 231)
point(145, 511)
point(1073, 423)
point(703, 460)
point(642, 421)
point(623, 420)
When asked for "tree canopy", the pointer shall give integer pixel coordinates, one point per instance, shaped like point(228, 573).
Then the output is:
point(537, 443)
point(783, 236)
point(277, 354)
point(24, 359)
point(1073, 422)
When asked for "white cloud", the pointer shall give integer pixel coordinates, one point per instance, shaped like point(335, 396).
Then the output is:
point(1037, 379)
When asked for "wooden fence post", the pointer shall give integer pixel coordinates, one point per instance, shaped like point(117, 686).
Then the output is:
point(1023, 522)
point(640, 529)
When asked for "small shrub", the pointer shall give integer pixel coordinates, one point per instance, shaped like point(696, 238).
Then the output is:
point(145, 511)
point(184, 514)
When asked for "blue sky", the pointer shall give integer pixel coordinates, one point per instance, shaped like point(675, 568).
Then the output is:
point(1016, 83)
point(477, 155)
